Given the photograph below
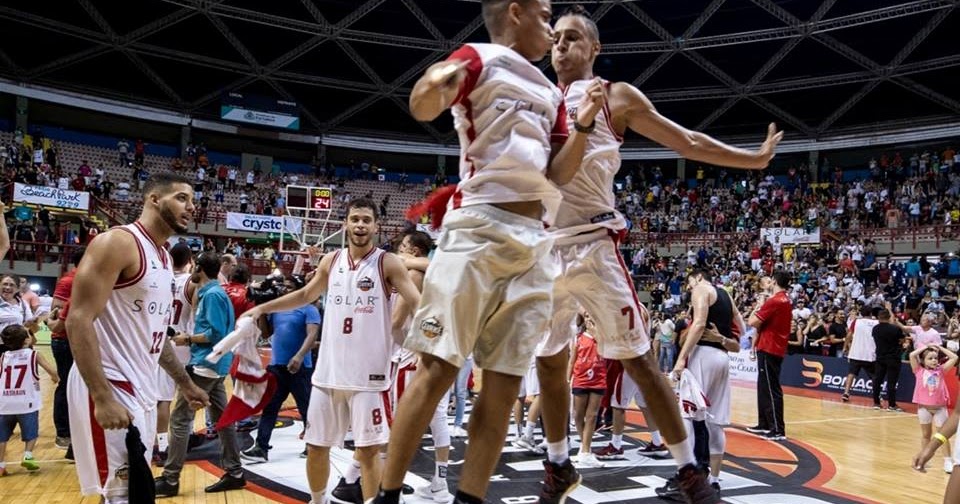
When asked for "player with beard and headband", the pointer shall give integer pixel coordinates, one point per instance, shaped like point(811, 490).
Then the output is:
point(352, 375)
point(588, 230)
point(488, 288)
point(119, 311)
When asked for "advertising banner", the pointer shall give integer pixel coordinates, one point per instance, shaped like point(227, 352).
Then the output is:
point(261, 223)
point(790, 235)
point(51, 196)
point(829, 374)
point(741, 367)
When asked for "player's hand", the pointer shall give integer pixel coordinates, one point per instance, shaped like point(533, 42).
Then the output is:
point(294, 365)
point(181, 339)
point(920, 460)
point(195, 396)
point(314, 253)
point(3, 208)
point(110, 414)
point(253, 313)
point(592, 103)
point(678, 370)
point(753, 355)
point(54, 379)
point(769, 146)
point(712, 335)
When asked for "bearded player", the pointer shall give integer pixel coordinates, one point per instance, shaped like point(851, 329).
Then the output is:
point(588, 230)
point(119, 311)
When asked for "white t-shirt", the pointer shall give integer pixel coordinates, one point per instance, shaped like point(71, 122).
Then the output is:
point(863, 348)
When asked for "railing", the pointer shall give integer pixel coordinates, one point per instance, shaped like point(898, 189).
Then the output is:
point(893, 236)
point(42, 253)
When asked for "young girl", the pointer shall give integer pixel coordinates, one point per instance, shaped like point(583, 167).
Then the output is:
point(930, 393)
point(589, 377)
point(19, 393)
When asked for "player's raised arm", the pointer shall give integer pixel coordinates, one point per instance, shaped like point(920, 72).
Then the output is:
point(568, 147)
point(437, 90)
point(315, 288)
point(105, 262)
point(398, 276)
point(642, 117)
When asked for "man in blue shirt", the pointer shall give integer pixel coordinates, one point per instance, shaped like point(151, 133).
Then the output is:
point(294, 333)
point(214, 319)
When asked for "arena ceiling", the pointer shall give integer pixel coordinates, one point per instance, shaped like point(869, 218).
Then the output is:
point(816, 67)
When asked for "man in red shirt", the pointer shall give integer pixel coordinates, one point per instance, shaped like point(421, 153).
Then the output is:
point(236, 289)
point(61, 350)
point(772, 321)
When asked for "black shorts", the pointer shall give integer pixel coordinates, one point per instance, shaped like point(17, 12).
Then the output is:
point(857, 365)
point(585, 391)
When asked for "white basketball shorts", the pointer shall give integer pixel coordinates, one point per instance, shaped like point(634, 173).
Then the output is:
point(594, 276)
point(711, 367)
point(101, 455)
point(625, 390)
point(530, 386)
point(488, 291)
point(333, 412)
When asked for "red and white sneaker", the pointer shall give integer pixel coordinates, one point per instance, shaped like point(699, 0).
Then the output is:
point(609, 452)
point(654, 451)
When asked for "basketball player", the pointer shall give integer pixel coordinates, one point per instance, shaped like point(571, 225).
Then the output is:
point(181, 320)
point(352, 373)
point(119, 311)
point(488, 289)
point(588, 228)
point(707, 359)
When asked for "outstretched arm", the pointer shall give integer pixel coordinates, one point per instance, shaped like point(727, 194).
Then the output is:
point(633, 109)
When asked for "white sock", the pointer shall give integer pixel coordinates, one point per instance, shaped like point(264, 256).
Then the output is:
point(714, 479)
point(616, 440)
point(528, 431)
point(655, 438)
point(317, 497)
point(3, 465)
point(162, 442)
point(352, 474)
point(558, 452)
point(683, 452)
point(28, 454)
point(440, 471)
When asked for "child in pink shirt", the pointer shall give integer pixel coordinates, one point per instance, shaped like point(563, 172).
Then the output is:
point(930, 393)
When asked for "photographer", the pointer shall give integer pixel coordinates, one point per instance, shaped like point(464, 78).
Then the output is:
point(293, 334)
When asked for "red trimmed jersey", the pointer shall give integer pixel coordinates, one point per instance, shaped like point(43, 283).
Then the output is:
point(588, 200)
point(507, 114)
point(19, 382)
point(589, 370)
point(132, 327)
point(357, 344)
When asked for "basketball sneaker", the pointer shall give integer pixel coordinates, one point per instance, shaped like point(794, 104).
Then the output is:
point(62, 442)
point(776, 436)
point(528, 444)
point(351, 493)
point(756, 429)
point(693, 485)
point(588, 460)
point(559, 482)
point(254, 454)
point(654, 451)
point(609, 452)
point(436, 491)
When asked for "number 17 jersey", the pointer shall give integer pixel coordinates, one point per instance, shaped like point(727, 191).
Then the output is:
point(357, 344)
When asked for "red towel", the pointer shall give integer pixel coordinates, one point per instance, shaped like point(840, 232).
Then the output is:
point(435, 205)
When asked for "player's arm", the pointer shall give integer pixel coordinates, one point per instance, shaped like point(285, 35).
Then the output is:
point(300, 297)
point(49, 368)
point(399, 278)
point(437, 89)
point(700, 303)
point(4, 234)
point(414, 263)
point(642, 117)
point(566, 156)
point(104, 263)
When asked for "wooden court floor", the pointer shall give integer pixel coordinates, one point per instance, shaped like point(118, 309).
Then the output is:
point(870, 449)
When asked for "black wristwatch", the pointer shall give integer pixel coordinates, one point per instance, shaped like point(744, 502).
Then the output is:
point(585, 129)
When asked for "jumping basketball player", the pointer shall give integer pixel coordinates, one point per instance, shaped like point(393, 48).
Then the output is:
point(707, 359)
point(488, 289)
point(588, 228)
point(352, 374)
point(181, 320)
point(119, 311)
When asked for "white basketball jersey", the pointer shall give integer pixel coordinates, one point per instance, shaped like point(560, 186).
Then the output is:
point(19, 382)
point(133, 325)
point(588, 200)
point(357, 345)
point(505, 115)
point(182, 318)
